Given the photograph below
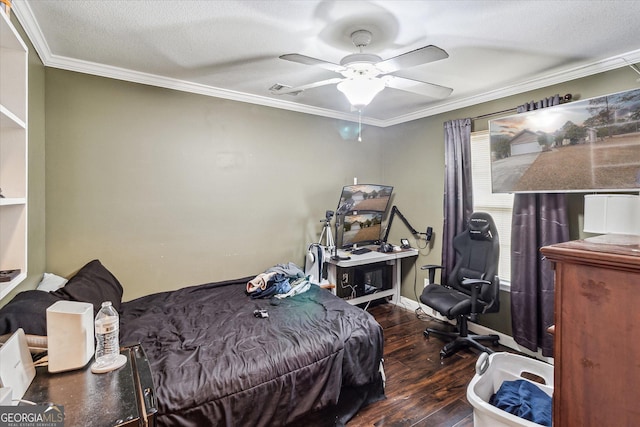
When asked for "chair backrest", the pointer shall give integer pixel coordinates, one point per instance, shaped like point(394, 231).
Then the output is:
point(477, 255)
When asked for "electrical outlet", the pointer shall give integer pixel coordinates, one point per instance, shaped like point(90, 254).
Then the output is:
point(426, 282)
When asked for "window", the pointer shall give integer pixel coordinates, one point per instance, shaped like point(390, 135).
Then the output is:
point(499, 206)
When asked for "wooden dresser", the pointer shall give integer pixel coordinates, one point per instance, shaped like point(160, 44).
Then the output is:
point(597, 334)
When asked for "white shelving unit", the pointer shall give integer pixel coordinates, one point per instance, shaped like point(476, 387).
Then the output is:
point(13, 153)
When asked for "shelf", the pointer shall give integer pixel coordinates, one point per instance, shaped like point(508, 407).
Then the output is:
point(9, 37)
point(368, 262)
point(11, 201)
point(371, 297)
point(9, 120)
point(6, 287)
point(14, 70)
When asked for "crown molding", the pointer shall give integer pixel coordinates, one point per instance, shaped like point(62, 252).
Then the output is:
point(27, 20)
point(611, 63)
point(23, 12)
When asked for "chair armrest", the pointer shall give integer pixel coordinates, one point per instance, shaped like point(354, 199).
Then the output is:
point(475, 282)
point(432, 271)
point(474, 285)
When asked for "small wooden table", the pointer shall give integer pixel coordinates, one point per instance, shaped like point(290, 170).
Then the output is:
point(124, 397)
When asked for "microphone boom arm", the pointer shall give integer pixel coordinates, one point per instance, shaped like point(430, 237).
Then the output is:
point(395, 211)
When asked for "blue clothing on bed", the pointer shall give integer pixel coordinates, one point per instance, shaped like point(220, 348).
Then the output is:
point(277, 281)
point(278, 284)
point(525, 400)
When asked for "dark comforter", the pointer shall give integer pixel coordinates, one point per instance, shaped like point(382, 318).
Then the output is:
point(215, 363)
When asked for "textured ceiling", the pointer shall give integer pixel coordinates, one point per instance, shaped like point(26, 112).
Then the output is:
point(230, 49)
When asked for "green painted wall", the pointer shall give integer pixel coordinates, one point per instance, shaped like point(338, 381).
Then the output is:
point(170, 189)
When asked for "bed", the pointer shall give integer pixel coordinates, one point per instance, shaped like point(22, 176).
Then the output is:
point(215, 362)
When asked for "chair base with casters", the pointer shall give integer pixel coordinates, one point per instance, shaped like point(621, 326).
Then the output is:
point(460, 306)
point(462, 339)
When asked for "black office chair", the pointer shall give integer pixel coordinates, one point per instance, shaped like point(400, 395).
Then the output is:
point(472, 287)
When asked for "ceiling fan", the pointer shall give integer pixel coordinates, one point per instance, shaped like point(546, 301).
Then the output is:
point(364, 75)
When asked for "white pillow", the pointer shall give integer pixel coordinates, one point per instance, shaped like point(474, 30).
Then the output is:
point(51, 282)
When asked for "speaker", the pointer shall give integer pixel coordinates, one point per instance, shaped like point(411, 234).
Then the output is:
point(70, 335)
point(314, 263)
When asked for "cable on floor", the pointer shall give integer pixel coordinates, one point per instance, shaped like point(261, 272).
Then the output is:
point(420, 314)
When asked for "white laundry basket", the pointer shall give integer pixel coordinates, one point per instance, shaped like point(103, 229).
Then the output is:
point(491, 371)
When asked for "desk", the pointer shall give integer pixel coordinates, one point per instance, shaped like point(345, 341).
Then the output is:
point(368, 260)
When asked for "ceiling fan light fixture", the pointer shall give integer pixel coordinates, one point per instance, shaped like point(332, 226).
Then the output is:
point(360, 92)
point(364, 75)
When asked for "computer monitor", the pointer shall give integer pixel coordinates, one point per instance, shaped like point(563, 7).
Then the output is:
point(364, 197)
point(363, 228)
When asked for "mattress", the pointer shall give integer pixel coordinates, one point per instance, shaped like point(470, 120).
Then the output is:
point(215, 362)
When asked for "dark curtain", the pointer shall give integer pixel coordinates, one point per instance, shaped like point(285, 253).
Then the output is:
point(538, 220)
point(458, 197)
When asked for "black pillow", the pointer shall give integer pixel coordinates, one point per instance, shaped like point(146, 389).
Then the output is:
point(94, 284)
point(27, 310)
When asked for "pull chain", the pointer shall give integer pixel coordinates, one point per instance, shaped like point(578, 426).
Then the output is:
point(360, 125)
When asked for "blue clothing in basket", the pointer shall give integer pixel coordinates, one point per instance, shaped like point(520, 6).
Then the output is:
point(525, 400)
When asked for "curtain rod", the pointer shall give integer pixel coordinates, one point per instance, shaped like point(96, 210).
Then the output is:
point(510, 110)
point(543, 103)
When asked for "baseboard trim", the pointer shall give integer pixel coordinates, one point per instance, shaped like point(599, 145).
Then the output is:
point(505, 340)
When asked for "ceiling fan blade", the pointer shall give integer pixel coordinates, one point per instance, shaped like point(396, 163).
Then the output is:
point(279, 89)
point(419, 56)
point(415, 86)
point(307, 60)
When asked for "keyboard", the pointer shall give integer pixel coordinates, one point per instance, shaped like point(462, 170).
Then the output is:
point(360, 251)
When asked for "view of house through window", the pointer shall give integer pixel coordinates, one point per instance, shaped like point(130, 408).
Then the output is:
point(499, 206)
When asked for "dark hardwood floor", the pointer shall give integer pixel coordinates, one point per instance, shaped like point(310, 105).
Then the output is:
point(421, 389)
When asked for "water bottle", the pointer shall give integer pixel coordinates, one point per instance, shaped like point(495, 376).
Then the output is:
point(107, 325)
